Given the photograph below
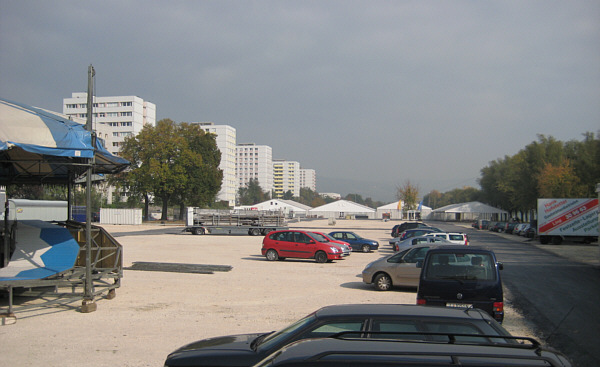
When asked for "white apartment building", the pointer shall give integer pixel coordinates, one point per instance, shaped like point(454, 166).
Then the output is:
point(255, 162)
point(117, 116)
point(286, 177)
point(226, 142)
point(308, 178)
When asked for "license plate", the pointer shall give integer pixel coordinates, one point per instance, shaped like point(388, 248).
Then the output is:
point(458, 305)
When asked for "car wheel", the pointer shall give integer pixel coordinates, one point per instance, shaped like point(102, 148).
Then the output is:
point(254, 232)
point(366, 248)
point(272, 255)
point(321, 257)
point(383, 282)
point(198, 231)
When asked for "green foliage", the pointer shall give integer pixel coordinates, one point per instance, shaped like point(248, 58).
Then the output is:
point(544, 168)
point(251, 194)
point(173, 162)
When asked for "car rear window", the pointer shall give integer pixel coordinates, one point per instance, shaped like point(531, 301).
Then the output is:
point(456, 237)
point(461, 266)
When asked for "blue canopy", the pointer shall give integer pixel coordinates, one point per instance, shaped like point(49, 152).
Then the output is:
point(38, 146)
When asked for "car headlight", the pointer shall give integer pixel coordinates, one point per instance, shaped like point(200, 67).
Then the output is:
point(334, 249)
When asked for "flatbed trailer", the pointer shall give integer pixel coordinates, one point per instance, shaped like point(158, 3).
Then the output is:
point(232, 222)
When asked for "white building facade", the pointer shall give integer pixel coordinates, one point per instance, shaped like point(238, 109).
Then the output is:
point(255, 162)
point(226, 143)
point(308, 178)
point(286, 177)
point(114, 117)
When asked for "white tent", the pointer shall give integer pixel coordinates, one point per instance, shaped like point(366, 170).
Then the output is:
point(470, 211)
point(395, 211)
point(288, 207)
point(391, 210)
point(343, 209)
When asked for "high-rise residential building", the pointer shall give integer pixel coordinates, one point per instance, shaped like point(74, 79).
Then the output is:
point(115, 117)
point(308, 178)
point(286, 177)
point(255, 162)
point(226, 142)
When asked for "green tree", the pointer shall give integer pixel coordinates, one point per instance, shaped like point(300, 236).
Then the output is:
point(167, 162)
point(202, 167)
point(252, 193)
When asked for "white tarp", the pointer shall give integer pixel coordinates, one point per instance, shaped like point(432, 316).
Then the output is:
point(343, 209)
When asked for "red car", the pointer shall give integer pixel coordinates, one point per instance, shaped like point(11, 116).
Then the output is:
point(278, 245)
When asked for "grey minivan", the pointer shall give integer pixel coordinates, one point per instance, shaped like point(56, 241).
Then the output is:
point(462, 276)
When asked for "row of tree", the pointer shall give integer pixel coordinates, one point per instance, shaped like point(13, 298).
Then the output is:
point(545, 168)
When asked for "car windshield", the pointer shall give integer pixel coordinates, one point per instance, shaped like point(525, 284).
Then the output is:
point(319, 237)
point(280, 336)
point(461, 266)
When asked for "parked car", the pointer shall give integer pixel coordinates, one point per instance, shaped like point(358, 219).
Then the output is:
point(409, 242)
point(518, 228)
point(278, 245)
point(530, 232)
point(417, 232)
point(497, 227)
point(510, 227)
point(399, 228)
point(345, 246)
point(483, 224)
point(248, 349)
point(462, 276)
point(454, 237)
point(408, 349)
point(357, 242)
point(524, 230)
point(399, 269)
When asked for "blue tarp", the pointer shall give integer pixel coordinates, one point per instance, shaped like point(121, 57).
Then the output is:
point(38, 146)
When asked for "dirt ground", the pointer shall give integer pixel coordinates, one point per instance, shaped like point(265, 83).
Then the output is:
point(156, 312)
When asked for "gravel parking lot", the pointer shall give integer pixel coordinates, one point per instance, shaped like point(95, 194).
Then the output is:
point(156, 312)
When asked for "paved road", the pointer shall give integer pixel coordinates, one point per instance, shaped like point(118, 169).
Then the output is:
point(560, 296)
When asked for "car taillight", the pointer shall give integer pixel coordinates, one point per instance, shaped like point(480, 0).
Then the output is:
point(421, 301)
point(498, 307)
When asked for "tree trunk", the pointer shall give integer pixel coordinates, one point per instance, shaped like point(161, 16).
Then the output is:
point(165, 207)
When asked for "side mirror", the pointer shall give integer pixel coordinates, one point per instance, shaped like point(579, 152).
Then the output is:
point(419, 263)
point(500, 265)
point(311, 242)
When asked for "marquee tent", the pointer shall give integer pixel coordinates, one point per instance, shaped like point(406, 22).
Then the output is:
point(467, 212)
point(343, 209)
point(289, 207)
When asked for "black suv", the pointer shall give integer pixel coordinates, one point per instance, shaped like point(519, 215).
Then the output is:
point(399, 228)
point(248, 349)
point(462, 276)
point(412, 349)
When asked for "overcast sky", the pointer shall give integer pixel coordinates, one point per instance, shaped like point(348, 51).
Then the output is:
point(370, 94)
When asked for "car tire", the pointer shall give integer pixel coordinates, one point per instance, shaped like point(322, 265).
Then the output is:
point(321, 257)
point(272, 255)
point(198, 231)
point(366, 248)
point(383, 282)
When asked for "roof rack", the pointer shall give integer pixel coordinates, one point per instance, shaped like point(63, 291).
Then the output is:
point(521, 342)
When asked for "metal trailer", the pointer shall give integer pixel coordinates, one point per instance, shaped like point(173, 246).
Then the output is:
point(232, 222)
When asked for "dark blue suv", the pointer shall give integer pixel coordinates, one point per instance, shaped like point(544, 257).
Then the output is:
point(462, 276)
